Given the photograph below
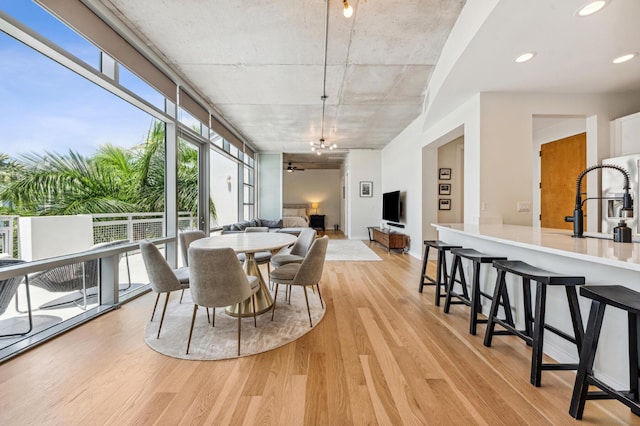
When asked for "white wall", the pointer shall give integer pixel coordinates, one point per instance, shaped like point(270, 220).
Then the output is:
point(402, 169)
point(224, 192)
point(309, 186)
point(270, 186)
point(363, 165)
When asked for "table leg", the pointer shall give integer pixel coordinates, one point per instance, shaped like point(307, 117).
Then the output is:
point(264, 301)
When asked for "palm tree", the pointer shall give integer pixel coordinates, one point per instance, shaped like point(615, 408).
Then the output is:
point(114, 180)
point(55, 184)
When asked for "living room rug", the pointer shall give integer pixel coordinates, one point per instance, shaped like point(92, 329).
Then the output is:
point(291, 321)
point(350, 250)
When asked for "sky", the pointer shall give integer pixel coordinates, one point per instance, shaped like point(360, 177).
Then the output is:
point(46, 107)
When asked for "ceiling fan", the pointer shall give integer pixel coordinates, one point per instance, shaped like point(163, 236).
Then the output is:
point(291, 169)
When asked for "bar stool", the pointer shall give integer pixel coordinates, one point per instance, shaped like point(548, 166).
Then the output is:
point(622, 298)
point(478, 259)
point(441, 269)
point(533, 333)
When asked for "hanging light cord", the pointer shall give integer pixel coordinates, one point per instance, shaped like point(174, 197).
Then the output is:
point(324, 71)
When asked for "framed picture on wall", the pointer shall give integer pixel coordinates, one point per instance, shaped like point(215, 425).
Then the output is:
point(444, 204)
point(366, 189)
point(444, 189)
point(445, 174)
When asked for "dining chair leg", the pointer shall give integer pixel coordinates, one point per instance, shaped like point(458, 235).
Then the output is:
point(320, 295)
point(253, 305)
point(239, 328)
point(193, 320)
point(155, 305)
point(181, 295)
point(213, 317)
point(273, 308)
point(164, 309)
point(306, 299)
point(208, 317)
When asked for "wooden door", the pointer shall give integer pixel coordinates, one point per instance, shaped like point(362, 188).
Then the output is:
point(561, 162)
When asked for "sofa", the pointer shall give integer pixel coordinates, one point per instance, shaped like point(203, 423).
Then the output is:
point(274, 225)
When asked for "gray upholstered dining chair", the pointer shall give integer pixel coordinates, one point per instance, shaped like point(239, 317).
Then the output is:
point(297, 252)
point(307, 273)
point(217, 280)
point(162, 277)
point(261, 257)
point(186, 238)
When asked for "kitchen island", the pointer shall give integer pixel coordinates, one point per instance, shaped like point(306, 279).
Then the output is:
point(600, 260)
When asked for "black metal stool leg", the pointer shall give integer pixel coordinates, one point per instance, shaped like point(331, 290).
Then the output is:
point(457, 263)
point(587, 357)
point(528, 315)
point(576, 316)
point(476, 306)
point(634, 361)
point(506, 304)
point(497, 295)
point(538, 334)
point(442, 267)
point(424, 267)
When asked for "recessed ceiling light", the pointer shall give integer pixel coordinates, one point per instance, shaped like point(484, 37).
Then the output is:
point(624, 58)
point(591, 7)
point(525, 57)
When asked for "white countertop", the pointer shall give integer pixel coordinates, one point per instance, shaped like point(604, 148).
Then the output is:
point(554, 241)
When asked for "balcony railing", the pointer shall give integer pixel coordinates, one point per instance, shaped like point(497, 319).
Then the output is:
point(106, 227)
point(8, 225)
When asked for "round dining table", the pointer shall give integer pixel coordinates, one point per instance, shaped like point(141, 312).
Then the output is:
point(249, 243)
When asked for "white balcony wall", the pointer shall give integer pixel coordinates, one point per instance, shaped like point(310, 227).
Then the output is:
point(43, 237)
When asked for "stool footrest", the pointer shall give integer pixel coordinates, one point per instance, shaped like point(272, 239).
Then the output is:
point(461, 299)
point(510, 329)
point(560, 333)
point(559, 366)
point(622, 396)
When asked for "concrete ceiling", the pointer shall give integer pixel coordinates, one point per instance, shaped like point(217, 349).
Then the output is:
point(260, 62)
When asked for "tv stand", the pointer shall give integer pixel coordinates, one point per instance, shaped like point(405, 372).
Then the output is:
point(390, 239)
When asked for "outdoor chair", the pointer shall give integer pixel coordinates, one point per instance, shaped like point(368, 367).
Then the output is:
point(79, 276)
point(8, 289)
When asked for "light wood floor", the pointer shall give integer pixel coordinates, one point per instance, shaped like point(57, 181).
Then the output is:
point(384, 354)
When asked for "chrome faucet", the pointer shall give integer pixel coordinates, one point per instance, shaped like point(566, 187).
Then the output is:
point(621, 233)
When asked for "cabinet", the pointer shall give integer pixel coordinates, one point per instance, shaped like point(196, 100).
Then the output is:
point(389, 239)
point(316, 221)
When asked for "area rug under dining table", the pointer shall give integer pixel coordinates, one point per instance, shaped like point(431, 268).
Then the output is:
point(291, 322)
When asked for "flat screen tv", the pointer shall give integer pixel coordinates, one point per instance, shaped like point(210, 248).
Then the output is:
point(391, 206)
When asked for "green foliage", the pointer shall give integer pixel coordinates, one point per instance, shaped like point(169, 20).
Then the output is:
point(113, 180)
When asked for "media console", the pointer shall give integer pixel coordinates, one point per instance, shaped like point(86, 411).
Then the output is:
point(390, 239)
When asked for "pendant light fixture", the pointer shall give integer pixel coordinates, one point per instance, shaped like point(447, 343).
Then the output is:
point(322, 145)
point(348, 10)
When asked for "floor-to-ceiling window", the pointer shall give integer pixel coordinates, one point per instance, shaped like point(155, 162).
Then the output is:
point(80, 168)
point(87, 159)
